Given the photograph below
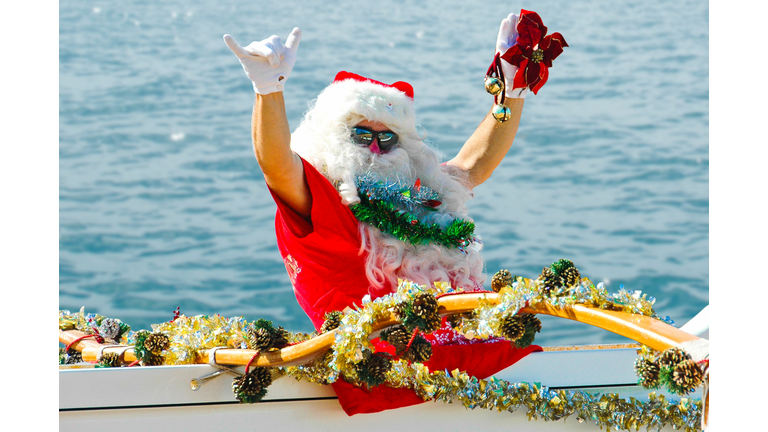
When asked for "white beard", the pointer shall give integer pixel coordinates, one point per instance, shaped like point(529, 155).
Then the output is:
point(324, 140)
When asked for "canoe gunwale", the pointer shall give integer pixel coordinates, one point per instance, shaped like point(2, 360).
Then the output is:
point(643, 329)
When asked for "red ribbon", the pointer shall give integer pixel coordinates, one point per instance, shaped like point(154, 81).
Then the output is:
point(495, 71)
point(96, 336)
point(251, 361)
point(413, 337)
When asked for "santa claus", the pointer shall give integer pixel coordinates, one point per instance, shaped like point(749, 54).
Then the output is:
point(362, 201)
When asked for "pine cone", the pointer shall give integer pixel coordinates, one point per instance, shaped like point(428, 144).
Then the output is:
point(157, 342)
point(648, 372)
point(378, 366)
point(550, 280)
point(332, 321)
point(512, 327)
point(560, 266)
point(154, 360)
point(110, 359)
point(671, 357)
point(280, 337)
point(74, 357)
point(373, 370)
point(571, 277)
point(420, 350)
point(420, 312)
point(259, 339)
point(531, 322)
point(69, 357)
point(398, 336)
point(433, 322)
point(252, 387)
point(110, 328)
point(424, 304)
point(501, 279)
point(399, 310)
point(142, 351)
point(687, 375)
point(454, 320)
point(532, 326)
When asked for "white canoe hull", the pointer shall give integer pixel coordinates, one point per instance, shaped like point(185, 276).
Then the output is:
point(160, 398)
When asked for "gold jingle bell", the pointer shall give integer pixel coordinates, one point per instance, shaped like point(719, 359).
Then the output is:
point(494, 85)
point(501, 113)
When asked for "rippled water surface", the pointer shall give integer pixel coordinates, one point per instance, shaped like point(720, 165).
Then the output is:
point(162, 203)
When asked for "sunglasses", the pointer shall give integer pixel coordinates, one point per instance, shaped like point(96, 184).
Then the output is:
point(365, 137)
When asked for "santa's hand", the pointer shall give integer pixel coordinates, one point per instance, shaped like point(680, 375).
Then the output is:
point(267, 63)
point(508, 37)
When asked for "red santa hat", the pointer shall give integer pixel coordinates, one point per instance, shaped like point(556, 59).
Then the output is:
point(352, 94)
point(400, 85)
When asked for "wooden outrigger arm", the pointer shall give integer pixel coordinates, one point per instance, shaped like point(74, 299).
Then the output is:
point(645, 330)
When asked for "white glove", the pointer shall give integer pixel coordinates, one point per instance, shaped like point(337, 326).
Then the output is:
point(267, 63)
point(508, 37)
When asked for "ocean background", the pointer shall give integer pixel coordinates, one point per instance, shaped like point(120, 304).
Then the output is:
point(162, 204)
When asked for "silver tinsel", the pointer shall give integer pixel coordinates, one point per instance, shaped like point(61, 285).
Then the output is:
point(110, 328)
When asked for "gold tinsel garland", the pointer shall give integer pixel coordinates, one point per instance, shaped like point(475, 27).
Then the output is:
point(609, 410)
point(487, 318)
point(188, 335)
point(540, 402)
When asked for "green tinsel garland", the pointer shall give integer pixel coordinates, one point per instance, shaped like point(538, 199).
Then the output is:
point(406, 227)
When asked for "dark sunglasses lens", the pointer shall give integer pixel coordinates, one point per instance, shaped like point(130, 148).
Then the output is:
point(387, 140)
point(362, 136)
point(387, 136)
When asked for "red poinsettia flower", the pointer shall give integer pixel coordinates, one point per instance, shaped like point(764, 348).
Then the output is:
point(533, 53)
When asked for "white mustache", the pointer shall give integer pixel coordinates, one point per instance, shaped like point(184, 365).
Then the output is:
point(395, 163)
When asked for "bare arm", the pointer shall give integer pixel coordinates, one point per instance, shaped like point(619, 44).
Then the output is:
point(268, 65)
point(488, 145)
point(282, 168)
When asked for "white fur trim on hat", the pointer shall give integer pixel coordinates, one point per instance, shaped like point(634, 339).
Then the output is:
point(374, 102)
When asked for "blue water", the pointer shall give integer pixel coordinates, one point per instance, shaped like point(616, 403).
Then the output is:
point(162, 203)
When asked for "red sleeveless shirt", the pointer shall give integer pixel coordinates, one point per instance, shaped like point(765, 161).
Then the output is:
point(322, 255)
point(327, 271)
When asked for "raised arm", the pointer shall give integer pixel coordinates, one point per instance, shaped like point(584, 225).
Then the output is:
point(488, 145)
point(491, 141)
point(268, 64)
point(282, 168)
